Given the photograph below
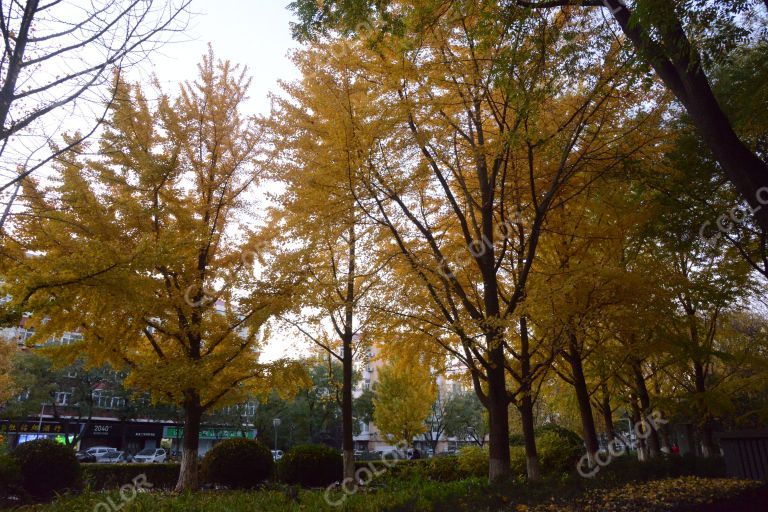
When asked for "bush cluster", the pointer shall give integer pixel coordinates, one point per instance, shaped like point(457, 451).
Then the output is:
point(445, 469)
point(46, 468)
point(473, 461)
point(238, 464)
point(10, 477)
point(559, 449)
point(311, 466)
point(100, 477)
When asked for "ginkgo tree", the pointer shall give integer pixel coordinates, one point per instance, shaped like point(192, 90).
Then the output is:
point(7, 386)
point(485, 138)
point(683, 42)
point(145, 249)
point(319, 226)
point(403, 399)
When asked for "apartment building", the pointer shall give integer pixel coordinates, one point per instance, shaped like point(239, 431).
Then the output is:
point(91, 408)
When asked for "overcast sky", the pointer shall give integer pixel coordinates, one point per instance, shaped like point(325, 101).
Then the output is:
point(254, 33)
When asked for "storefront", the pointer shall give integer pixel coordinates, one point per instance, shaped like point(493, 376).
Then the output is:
point(102, 434)
point(172, 437)
point(131, 437)
point(140, 436)
point(17, 432)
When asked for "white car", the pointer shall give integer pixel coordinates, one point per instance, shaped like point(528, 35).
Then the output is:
point(99, 451)
point(277, 454)
point(150, 456)
point(113, 457)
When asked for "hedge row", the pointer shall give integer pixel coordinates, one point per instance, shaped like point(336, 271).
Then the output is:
point(99, 477)
point(42, 469)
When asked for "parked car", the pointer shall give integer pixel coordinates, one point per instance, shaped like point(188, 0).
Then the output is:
point(113, 458)
point(93, 453)
point(277, 455)
point(151, 455)
point(83, 456)
point(362, 455)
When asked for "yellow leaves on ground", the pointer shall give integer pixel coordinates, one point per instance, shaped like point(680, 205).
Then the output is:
point(653, 496)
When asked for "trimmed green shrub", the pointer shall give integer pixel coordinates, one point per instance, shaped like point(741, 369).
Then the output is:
point(559, 449)
point(473, 461)
point(101, 477)
point(238, 463)
point(569, 436)
point(10, 476)
point(311, 466)
point(445, 469)
point(47, 468)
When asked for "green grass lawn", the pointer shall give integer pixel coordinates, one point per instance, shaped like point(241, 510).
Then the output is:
point(421, 496)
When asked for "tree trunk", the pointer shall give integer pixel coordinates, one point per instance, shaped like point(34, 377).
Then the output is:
point(529, 439)
point(526, 406)
point(654, 447)
point(193, 413)
point(582, 397)
point(607, 412)
point(498, 419)
point(708, 447)
point(348, 445)
point(642, 447)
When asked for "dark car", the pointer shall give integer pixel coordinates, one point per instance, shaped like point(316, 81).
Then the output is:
point(84, 456)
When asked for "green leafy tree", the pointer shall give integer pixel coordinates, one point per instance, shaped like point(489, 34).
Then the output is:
point(465, 418)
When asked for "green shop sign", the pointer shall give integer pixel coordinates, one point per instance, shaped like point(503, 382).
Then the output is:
point(208, 433)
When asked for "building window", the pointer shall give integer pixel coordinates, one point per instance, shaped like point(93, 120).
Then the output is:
point(63, 397)
point(22, 335)
point(70, 337)
point(117, 402)
point(250, 410)
point(100, 399)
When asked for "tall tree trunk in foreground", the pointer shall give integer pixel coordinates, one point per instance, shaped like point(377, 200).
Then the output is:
point(678, 65)
point(654, 446)
point(526, 406)
point(589, 432)
point(193, 413)
point(707, 436)
point(642, 446)
point(348, 444)
point(498, 417)
point(607, 412)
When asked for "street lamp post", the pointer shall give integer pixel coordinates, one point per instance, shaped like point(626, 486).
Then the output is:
point(40, 424)
point(276, 423)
